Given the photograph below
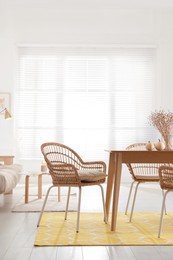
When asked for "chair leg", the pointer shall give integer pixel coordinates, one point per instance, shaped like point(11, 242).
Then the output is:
point(161, 216)
point(165, 203)
point(78, 212)
point(133, 204)
point(44, 204)
point(104, 208)
point(68, 197)
point(128, 200)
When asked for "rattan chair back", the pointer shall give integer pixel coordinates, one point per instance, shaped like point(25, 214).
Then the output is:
point(166, 177)
point(141, 171)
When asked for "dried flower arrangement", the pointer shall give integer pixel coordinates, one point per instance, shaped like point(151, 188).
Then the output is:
point(163, 122)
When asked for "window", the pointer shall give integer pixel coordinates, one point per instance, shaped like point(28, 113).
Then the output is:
point(89, 98)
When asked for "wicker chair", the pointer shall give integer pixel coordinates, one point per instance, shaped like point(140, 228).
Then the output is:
point(140, 173)
point(166, 184)
point(68, 169)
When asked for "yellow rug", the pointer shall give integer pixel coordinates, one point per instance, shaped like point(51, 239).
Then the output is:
point(54, 230)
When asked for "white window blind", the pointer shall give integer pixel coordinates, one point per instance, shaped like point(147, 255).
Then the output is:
point(89, 98)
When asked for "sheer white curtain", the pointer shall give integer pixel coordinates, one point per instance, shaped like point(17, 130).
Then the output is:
point(89, 98)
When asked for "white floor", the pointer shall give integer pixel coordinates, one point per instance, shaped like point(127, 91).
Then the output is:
point(17, 230)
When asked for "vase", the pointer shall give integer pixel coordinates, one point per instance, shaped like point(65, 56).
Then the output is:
point(168, 139)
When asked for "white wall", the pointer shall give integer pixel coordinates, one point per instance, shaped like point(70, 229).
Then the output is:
point(24, 24)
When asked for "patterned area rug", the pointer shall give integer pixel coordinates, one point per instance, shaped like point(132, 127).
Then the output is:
point(54, 230)
point(52, 204)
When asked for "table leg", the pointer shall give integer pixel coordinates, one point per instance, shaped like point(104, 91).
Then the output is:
point(10, 192)
point(39, 186)
point(110, 181)
point(26, 188)
point(59, 195)
point(117, 179)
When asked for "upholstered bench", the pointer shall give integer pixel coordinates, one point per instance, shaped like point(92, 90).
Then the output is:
point(9, 177)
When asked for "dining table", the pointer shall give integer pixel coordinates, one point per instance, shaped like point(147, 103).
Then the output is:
point(116, 159)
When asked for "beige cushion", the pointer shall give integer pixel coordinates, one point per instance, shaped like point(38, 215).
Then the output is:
point(91, 175)
point(147, 178)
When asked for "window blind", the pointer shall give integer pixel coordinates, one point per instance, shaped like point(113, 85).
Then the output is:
point(89, 98)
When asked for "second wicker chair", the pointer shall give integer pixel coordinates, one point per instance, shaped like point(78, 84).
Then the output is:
point(140, 173)
point(166, 184)
point(69, 170)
